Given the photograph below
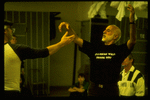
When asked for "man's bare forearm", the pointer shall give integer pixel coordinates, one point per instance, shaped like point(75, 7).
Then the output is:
point(131, 42)
point(78, 41)
point(132, 24)
point(65, 40)
point(54, 48)
point(132, 33)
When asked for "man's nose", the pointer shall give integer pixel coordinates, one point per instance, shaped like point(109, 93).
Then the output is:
point(104, 32)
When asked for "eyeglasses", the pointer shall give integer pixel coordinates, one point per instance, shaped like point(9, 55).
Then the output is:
point(13, 30)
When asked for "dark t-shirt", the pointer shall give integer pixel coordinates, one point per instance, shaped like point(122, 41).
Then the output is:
point(105, 61)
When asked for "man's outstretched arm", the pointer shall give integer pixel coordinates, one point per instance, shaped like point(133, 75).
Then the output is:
point(70, 31)
point(131, 42)
point(65, 40)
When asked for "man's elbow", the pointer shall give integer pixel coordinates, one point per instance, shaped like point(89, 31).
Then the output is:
point(133, 42)
point(50, 53)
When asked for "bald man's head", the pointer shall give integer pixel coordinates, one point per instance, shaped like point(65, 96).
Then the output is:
point(116, 31)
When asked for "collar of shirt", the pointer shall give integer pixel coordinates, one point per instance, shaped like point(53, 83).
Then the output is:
point(125, 75)
point(131, 69)
point(5, 43)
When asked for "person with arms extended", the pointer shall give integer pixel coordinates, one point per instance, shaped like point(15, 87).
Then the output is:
point(15, 53)
point(131, 81)
point(80, 88)
point(106, 58)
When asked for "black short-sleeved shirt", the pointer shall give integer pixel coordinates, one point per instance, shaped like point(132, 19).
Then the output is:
point(105, 61)
point(13, 55)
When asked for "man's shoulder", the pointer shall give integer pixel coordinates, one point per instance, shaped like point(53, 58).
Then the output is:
point(123, 44)
point(122, 47)
point(138, 75)
point(15, 46)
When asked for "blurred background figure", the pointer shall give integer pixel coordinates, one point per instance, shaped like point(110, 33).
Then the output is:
point(132, 81)
point(80, 88)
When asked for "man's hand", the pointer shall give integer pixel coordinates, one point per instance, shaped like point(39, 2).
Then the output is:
point(68, 28)
point(79, 89)
point(63, 25)
point(65, 40)
point(75, 88)
point(132, 12)
point(70, 31)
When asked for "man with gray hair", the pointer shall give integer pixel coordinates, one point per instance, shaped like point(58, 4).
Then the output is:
point(106, 58)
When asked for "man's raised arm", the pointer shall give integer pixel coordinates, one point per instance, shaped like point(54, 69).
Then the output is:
point(131, 42)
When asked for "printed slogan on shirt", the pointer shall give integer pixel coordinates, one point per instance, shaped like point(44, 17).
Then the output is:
point(104, 55)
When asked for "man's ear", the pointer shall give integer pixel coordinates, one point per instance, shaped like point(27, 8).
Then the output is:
point(116, 36)
point(4, 31)
point(131, 60)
